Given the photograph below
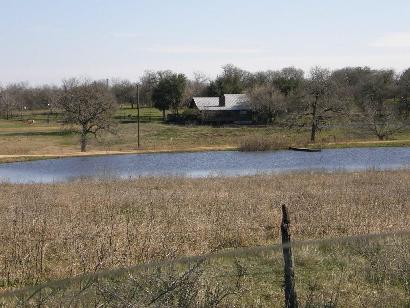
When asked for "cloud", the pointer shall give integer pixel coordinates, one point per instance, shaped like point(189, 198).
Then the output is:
point(201, 50)
point(393, 40)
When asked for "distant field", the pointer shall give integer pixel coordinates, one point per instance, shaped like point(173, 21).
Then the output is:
point(48, 136)
point(63, 230)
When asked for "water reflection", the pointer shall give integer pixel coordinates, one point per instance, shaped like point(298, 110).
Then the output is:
point(203, 164)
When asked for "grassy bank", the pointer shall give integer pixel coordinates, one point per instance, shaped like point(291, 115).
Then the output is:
point(59, 230)
point(21, 141)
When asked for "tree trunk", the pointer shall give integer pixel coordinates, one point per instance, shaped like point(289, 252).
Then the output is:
point(83, 141)
point(163, 115)
point(313, 132)
point(314, 124)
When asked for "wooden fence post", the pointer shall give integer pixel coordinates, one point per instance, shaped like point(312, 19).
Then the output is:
point(289, 286)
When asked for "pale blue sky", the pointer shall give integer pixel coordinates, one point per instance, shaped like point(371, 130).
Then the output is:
point(48, 40)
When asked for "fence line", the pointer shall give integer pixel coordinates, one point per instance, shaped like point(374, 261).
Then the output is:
point(87, 237)
point(237, 252)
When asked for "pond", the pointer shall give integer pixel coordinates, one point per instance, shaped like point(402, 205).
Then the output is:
point(202, 164)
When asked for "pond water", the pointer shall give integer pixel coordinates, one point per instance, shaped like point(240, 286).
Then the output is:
point(202, 164)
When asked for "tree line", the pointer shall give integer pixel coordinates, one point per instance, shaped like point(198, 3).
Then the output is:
point(377, 99)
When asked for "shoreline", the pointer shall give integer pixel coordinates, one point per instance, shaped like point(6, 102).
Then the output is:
point(13, 158)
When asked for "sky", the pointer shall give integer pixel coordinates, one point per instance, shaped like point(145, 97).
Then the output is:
point(45, 41)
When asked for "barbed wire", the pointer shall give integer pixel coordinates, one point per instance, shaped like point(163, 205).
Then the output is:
point(24, 236)
point(237, 252)
point(39, 237)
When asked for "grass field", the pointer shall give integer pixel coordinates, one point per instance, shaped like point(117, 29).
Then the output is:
point(60, 230)
point(47, 136)
point(64, 230)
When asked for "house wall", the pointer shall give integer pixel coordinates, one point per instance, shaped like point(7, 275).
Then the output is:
point(226, 116)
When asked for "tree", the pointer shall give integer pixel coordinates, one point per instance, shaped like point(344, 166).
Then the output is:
point(322, 100)
point(379, 111)
point(288, 80)
point(318, 102)
point(352, 76)
point(8, 102)
point(199, 84)
point(404, 93)
point(267, 100)
point(195, 87)
point(148, 82)
point(169, 92)
point(88, 107)
point(233, 80)
point(124, 91)
point(16, 96)
point(49, 96)
point(260, 78)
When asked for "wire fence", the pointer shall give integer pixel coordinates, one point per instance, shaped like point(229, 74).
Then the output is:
point(360, 271)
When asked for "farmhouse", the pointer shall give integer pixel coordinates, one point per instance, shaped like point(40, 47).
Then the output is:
point(229, 108)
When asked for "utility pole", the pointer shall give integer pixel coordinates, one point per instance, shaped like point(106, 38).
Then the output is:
point(138, 115)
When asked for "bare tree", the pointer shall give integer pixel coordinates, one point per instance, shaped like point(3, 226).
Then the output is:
point(88, 106)
point(318, 103)
point(124, 91)
point(50, 96)
point(148, 82)
point(8, 102)
point(197, 86)
point(379, 110)
point(382, 120)
point(267, 100)
point(23, 96)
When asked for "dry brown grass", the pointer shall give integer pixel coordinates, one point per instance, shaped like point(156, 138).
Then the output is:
point(59, 230)
point(257, 143)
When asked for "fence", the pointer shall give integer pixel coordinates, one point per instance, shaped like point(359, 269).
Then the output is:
point(367, 271)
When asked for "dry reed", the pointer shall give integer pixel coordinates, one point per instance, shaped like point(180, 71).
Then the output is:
point(59, 230)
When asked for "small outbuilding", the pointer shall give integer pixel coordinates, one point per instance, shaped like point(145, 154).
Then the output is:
point(229, 108)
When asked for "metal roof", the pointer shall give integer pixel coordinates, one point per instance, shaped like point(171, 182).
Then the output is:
point(232, 102)
point(203, 103)
point(237, 102)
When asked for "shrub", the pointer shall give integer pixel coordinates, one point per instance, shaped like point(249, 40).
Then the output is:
point(259, 143)
point(188, 116)
point(191, 115)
